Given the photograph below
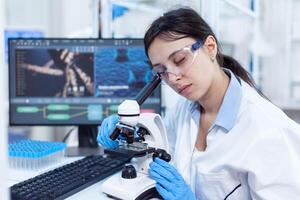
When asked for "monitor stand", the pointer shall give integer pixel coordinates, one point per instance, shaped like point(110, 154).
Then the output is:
point(87, 140)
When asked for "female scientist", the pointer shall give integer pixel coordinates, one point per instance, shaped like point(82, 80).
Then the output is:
point(226, 139)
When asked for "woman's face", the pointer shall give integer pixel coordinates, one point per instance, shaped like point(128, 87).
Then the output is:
point(193, 81)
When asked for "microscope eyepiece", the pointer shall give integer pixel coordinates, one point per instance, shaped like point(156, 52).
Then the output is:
point(148, 89)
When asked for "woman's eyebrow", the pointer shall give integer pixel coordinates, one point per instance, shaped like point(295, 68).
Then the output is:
point(170, 56)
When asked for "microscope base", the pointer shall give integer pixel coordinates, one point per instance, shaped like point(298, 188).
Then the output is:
point(141, 187)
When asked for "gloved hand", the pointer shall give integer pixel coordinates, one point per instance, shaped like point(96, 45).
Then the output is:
point(106, 128)
point(170, 184)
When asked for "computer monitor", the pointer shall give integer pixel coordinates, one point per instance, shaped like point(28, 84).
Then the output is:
point(75, 81)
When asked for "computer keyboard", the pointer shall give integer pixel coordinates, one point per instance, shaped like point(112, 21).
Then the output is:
point(68, 179)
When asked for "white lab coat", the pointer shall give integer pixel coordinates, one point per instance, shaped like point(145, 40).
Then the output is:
point(259, 158)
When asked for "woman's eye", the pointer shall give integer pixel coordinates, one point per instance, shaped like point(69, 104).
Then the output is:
point(179, 60)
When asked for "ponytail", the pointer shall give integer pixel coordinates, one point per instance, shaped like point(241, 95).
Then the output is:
point(234, 66)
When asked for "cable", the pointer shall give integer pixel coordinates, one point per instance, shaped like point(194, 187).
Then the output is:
point(68, 134)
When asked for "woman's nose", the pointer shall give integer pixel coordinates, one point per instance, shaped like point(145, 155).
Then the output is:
point(173, 78)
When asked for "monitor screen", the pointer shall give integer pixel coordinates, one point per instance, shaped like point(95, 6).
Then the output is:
point(75, 81)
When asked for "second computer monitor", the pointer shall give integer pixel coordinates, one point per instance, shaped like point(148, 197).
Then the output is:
point(75, 81)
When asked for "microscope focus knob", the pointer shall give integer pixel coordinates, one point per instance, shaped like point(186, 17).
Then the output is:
point(128, 172)
point(162, 154)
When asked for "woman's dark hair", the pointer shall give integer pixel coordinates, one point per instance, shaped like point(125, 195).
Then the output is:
point(185, 22)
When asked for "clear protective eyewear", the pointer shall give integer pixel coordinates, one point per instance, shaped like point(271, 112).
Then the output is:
point(181, 60)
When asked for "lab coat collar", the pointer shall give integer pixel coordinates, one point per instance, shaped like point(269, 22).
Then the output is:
point(231, 103)
point(228, 111)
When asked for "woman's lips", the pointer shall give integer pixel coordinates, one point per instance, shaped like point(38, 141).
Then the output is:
point(184, 90)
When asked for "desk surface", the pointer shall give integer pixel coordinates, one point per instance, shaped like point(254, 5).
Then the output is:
point(91, 192)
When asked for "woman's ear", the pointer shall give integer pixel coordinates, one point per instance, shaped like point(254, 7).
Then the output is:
point(211, 47)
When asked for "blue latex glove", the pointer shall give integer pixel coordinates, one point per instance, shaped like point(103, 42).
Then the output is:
point(106, 128)
point(170, 184)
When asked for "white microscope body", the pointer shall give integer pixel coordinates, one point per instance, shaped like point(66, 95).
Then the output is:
point(156, 138)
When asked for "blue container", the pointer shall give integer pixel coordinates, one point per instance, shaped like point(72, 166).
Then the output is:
point(33, 155)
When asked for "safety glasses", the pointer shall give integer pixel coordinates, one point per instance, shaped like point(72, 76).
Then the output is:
point(178, 62)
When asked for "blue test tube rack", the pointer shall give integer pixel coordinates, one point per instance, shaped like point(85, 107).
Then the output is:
point(34, 155)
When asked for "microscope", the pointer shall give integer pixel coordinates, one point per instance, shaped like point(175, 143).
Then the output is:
point(142, 137)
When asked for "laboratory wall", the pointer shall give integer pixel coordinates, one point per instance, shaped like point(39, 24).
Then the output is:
point(55, 18)
point(279, 70)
